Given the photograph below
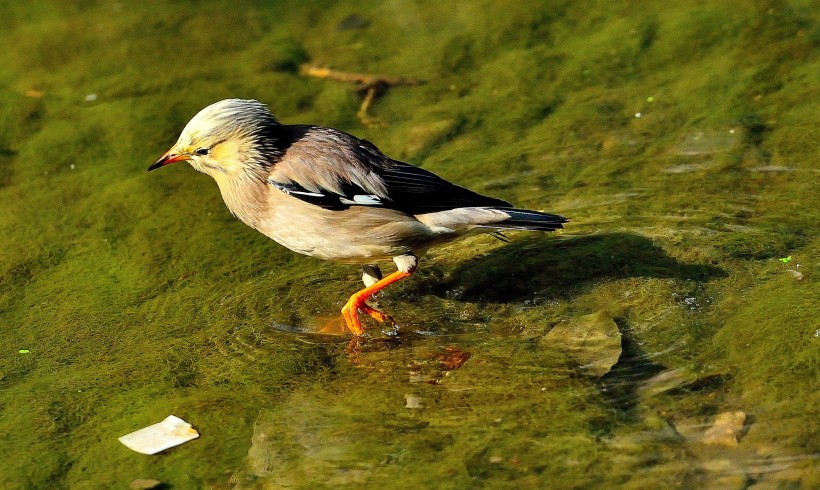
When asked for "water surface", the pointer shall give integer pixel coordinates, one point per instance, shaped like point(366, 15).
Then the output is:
point(668, 338)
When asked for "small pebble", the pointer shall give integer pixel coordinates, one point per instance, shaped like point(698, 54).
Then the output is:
point(637, 114)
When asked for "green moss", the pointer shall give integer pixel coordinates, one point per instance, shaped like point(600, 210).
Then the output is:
point(138, 295)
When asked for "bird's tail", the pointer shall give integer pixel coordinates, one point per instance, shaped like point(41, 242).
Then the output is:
point(523, 219)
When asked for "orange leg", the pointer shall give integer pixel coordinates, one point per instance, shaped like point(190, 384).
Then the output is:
point(356, 303)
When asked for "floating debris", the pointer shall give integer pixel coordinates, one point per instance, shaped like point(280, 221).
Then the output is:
point(171, 432)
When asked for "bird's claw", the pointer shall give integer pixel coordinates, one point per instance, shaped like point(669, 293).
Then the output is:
point(351, 310)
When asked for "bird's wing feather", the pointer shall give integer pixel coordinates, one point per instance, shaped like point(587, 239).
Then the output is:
point(335, 170)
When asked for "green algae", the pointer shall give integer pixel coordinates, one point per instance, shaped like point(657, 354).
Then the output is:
point(138, 295)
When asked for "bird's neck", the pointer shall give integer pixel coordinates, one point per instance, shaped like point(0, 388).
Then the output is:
point(244, 195)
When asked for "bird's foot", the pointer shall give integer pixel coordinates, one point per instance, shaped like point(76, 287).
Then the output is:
point(357, 302)
point(351, 310)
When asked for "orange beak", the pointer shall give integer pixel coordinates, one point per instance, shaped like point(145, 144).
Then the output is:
point(169, 157)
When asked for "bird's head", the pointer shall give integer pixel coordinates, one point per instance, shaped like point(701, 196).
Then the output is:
point(230, 138)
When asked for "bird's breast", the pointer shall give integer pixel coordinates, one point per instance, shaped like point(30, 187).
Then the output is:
point(245, 198)
point(358, 234)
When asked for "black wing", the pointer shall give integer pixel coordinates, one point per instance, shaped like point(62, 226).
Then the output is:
point(335, 170)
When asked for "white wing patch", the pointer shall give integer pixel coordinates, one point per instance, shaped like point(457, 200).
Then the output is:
point(363, 200)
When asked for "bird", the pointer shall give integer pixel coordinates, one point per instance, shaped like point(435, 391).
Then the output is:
point(327, 194)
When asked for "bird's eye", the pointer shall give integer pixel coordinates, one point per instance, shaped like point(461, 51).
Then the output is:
point(202, 151)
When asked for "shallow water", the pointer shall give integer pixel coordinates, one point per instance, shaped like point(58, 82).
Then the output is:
point(667, 338)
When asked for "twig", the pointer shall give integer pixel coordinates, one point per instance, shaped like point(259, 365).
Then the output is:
point(371, 85)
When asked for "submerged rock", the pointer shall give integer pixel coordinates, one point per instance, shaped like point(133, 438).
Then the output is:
point(726, 429)
point(412, 401)
point(593, 341)
point(144, 484)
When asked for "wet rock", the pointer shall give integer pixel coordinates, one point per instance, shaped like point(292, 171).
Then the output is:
point(593, 341)
point(144, 484)
point(726, 430)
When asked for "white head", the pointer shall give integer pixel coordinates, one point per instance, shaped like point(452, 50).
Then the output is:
point(230, 138)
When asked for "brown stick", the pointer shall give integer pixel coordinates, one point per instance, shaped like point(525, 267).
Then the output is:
point(360, 78)
point(371, 85)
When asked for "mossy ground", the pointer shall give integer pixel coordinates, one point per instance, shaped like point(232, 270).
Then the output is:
point(137, 295)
